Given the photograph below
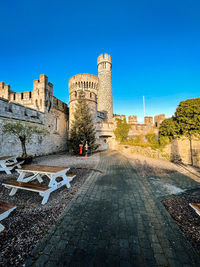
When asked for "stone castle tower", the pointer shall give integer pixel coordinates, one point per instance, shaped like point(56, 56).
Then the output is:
point(88, 85)
point(105, 103)
point(97, 91)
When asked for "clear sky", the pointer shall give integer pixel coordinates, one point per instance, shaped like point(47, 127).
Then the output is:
point(154, 44)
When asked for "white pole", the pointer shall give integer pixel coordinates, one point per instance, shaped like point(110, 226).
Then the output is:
point(144, 105)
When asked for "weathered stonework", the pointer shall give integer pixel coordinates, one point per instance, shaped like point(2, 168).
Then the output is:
point(39, 107)
point(88, 85)
point(105, 103)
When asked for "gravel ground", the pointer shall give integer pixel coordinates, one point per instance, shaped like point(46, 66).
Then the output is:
point(185, 217)
point(29, 222)
point(165, 176)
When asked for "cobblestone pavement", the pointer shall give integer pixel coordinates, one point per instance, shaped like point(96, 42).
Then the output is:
point(115, 220)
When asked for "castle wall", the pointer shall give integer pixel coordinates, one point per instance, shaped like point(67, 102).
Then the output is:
point(56, 122)
point(137, 129)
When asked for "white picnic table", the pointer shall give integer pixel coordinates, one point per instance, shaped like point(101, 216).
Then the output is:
point(37, 172)
point(7, 163)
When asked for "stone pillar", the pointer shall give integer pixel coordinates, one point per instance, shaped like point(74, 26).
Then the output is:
point(105, 102)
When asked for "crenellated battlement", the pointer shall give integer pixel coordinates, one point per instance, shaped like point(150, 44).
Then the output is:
point(148, 120)
point(104, 58)
point(42, 81)
point(132, 119)
point(83, 81)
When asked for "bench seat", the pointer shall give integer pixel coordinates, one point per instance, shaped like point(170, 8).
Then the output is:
point(27, 186)
point(5, 210)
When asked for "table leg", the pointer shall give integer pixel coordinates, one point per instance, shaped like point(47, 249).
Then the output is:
point(1, 227)
point(19, 179)
point(13, 191)
point(45, 197)
point(66, 179)
point(4, 168)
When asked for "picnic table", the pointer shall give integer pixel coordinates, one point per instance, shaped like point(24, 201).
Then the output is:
point(37, 172)
point(7, 163)
point(5, 210)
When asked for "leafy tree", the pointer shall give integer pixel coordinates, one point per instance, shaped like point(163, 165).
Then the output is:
point(169, 128)
point(188, 118)
point(82, 128)
point(122, 129)
point(22, 131)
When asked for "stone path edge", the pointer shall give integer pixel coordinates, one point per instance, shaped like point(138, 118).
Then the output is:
point(37, 251)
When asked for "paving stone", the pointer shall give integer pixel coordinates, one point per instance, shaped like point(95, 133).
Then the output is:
point(115, 220)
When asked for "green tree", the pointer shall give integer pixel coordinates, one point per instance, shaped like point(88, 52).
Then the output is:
point(122, 129)
point(188, 118)
point(169, 128)
point(22, 131)
point(152, 139)
point(82, 128)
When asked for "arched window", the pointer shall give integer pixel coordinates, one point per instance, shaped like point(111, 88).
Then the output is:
point(90, 95)
point(75, 94)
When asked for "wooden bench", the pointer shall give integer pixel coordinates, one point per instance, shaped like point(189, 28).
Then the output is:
point(196, 207)
point(26, 186)
point(5, 210)
point(38, 172)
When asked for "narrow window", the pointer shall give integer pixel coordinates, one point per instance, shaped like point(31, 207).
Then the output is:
point(22, 95)
point(90, 95)
point(14, 97)
point(30, 95)
point(56, 128)
point(40, 102)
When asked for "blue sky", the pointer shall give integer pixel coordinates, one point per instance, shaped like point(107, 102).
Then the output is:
point(155, 48)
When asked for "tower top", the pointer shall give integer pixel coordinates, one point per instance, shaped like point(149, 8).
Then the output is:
point(104, 58)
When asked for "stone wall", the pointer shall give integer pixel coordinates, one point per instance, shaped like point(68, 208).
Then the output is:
point(144, 151)
point(179, 149)
point(56, 122)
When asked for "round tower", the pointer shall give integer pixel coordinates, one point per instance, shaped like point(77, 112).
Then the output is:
point(105, 102)
point(88, 84)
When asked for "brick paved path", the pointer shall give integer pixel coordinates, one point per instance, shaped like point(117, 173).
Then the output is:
point(116, 220)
